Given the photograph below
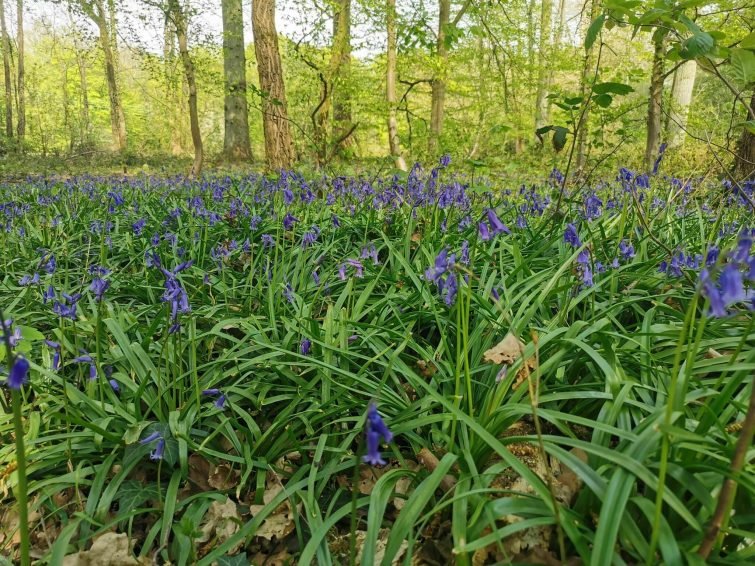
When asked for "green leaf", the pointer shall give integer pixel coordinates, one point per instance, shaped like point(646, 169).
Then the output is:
point(594, 30)
point(235, 560)
point(697, 45)
point(559, 137)
point(748, 42)
point(743, 66)
point(612, 88)
point(603, 100)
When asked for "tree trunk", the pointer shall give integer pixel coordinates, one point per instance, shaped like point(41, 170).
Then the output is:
point(655, 100)
point(279, 148)
point(744, 164)
point(85, 134)
point(342, 121)
point(96, 12)
point(390, 83)
point(584, 86)
point(236, 145)
point(6, 69)
point(20, 89)
point(179, 20)
point(544, 65)
point(439, 81)
point(173, 116)
point(681, 98)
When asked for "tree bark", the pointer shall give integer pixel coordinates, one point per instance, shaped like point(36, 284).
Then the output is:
point(655, 101)
point(544, 65)
point(236, 144)
point(85, 133)
point(744, 164)
point(390, 86)
point(6, 69)
point(342, 119)
point(584, 86)
point(20, 88)
point(279, 148)
point(681, 98)
point(180, 23)
point(95, 10)
point(437, 103)
point(172, 91)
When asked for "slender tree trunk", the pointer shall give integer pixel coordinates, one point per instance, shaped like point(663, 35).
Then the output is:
point(544, 65)
point(744, 165)
point(6, 69)
point(342, 119)
point(236, 144)
point(172, 91)
point(681, 98)
point(390, 83)
point(439, 80)
point(96, 12)
point(584, 86)
point(85, 135)
point(279, 147)
point(179, 20)
point(655, 100)
point(20, 89)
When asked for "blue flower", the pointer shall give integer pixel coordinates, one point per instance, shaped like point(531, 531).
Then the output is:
point(28, 280)
point(289, 220)
point(483, 230)
point(221, 398)
point(99, 286)
point(657, 164)
point(19, 373)
point(267, 241)
point(56, 356)
point(305, 347)
point(571, 236)
point(712, 293)
point(497, 226)
point(626, 249)
point(375, 429)
point(732, 286)
point(48, 295)
point(114, 385)
point(443, 264)
point(288, 293)
point(464, 256)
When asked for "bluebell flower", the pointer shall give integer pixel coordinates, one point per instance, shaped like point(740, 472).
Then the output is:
point(521, 222)
point(358, 268)
point(155, 240)
point(464, 256)
point(28, 280)
point(657, 164)
point(305, 347)
point(288, 293)
point(114, 386)
point(375, 429)
point(496, 225)
point(370, 252)
point(732, 286)
point(483, 230)
point(443, 264)
point(583, 257)
point(445, 160)
point(86, 358)
point(316, 277)
point(336, 222)
point(67, 308)
point(711, 256)
point(48, 294)
point(342, 272)
point(449, 289)
point(289, 220)
point(615, 263)
point(99, 286)
point(49, 264)
point(626, 249)
point(221, 398)
point(587, 276)
point(157, 453)
point(742, 253)
point(571, 236)
point(713, 294)
point(254, 221)
point(267, 241)
point(56, 356)
point(138, 226)
point(19, 373)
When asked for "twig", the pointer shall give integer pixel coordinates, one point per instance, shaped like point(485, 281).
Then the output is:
point(729, 488)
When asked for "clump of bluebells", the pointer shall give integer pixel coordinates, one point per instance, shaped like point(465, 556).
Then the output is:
point(732, 282)
point(443, 275)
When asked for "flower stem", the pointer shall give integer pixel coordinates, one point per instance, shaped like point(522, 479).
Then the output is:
point(20, 491)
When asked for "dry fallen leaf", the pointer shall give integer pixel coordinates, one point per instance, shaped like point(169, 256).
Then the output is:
point(221, 522)
point(111, 549)
point(223, 477)
point(280, 522)
point(508, 351)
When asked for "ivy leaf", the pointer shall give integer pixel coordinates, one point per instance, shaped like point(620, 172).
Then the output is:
point(594, 30)
point(743, 65)
point(612, 88)
point(559, 137)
